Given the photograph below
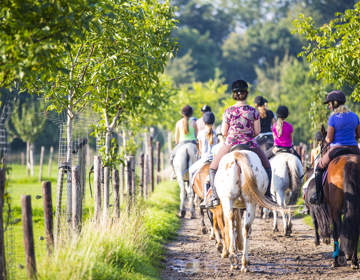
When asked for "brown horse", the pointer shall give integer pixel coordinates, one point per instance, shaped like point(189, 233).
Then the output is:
point(217, 215)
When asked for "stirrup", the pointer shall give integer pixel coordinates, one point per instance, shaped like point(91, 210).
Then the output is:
point(173, 176)
point(203, 204)
point(316, 199)
point(213, 203)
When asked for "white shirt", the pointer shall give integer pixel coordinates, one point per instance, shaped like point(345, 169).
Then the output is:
point(215, 149)
point(205, 146)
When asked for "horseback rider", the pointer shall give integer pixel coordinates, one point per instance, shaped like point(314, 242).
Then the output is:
point(221, 140)
point(316, 151)
point(283, 134)
point(185, 132)
point(267, 117)
point(200, 122)
point(343, 132)
point(240, 125)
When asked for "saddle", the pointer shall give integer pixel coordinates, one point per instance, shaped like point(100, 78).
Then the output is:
point(240, 147)
point(283, 150)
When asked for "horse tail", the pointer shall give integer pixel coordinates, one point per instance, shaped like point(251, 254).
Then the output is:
point(250, 187)
point(351, 222)
point(295, 180)
point(323, 218)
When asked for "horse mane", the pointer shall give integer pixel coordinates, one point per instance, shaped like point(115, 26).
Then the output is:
point(250, 186)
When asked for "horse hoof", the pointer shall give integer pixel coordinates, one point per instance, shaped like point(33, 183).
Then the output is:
point(234, 259)
point(192, 216)
point(348, 257)
point(317, 243)
point(244, 269)
point(224, 255)
point(275, 230)
point(353, 266)
point(233, 267)
point(219, 247)
point(211, 237)
point(327, 241)
point(341, 260)
point(182, 213)
point(287, 233)
point(203, 230)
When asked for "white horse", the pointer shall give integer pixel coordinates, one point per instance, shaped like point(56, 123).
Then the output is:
point(241, 176)
point(286, 185)
point(184, 158)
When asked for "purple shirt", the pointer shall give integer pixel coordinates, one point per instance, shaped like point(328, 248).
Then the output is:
point(344, 125)
point(285, 139)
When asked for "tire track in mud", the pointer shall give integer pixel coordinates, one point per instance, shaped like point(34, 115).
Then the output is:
point(272, 256)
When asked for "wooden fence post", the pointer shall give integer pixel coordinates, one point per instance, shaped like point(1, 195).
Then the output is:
point(129, 175)
point(151, 167)
point(59, 193)
point(2, 241)
point(146, 175)
point(41, 162)
point(141, 185)
point(106, 192)
point(97, 187)
point(133, 184)
point(48, 215)
point(22, 158)
point(50, 161)
point(116, 193)
point(82, 171)
point(32, 160)
point(28, 235)
point(122, 181)
point(157, 162)
point(162, 163)
point(76, 198)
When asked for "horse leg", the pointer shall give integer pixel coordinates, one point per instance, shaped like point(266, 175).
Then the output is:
point(239, 236)
point(211, 219)
point(182, 198)
point(215, 232)
point(275, 225)
point(338, 256)
point(248, 220)
point(229, 228)
point(315, 223)
point(203, 227)
point(192, 207)
point(354, 259)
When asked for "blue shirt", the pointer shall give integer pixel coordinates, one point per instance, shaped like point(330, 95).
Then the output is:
point(344, 125)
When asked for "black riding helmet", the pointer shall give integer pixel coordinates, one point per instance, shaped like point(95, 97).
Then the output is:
point(239, 85)
point(218, 130)
point(335, 95)
point(209, 118)
point(187, 111)
point(318, 136)
point(259, 101)
point(282, 112)
point(205, 108)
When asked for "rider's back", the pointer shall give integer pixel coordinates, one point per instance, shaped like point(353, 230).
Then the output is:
point(345, 125)
point(265, 123)
point(189, 136)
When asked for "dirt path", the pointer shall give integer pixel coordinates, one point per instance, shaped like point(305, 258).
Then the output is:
point(272, 256)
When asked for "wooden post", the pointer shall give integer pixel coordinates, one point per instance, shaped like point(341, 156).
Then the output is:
point(146, 175)
point(22, 158)
point(2, 241)
point(151, 167)
point(76, 198)
point(129, 174)
point(28, 235)
point(82, 171)
point(122, 182)
point(50, 161)
point(133, 184)
point(59, 193)
point(32, 162)
point(97, 187)
point(106, 192)
point(157, 162)
point(41, 162)
point(162, 163)
point(116, 193)
point(48, 215)
point(142, 173)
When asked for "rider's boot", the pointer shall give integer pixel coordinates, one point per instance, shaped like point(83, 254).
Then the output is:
point(214, 201)
point(317, 199)
point(205, 188)
point(268, 190)
point(173, 174)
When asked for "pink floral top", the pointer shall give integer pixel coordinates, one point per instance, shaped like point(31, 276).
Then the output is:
point(241, 125)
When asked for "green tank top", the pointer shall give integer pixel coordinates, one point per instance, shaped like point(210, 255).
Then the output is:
point(190, 136)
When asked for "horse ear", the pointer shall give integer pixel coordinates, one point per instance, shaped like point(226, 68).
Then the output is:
point(323, 131)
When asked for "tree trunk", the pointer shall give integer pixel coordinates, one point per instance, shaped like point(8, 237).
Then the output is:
point(28, 158)
point(69, 134)
point(32, 159)
point(107, 173)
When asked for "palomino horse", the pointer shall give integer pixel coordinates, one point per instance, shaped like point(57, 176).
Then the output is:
point(319, 213)
point(286, 172)
point(184, 158)
point(241, 175)
point(217, 215)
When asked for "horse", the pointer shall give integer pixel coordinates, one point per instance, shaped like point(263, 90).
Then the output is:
point(184, 158)
point(241, 176)
point(286, 170)
point(216, 218)
point(319, 213)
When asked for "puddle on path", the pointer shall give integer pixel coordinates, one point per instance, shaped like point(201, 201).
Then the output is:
point(192, 266)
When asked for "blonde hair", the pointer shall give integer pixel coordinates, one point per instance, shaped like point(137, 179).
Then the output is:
point(279, 126)
point(262, 111)
point(209, 133)
point(186, 125)
point(341, 110)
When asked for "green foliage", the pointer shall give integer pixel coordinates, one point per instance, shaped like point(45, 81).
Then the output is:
point(31, 32)
point(334, 48)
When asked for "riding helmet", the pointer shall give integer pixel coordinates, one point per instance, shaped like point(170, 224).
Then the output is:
point(187, 111)
point(282, 112)
point(239, 85)
point(218, 130)
point(318, 136)
point(265, 100)
point(209, 118)
point(336, 95)
point(259, 101)
point(205, 108)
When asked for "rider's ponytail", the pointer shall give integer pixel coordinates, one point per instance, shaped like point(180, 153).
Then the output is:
point(279, 126)
point(262, 111)
point(186, 125)
point(209, 133)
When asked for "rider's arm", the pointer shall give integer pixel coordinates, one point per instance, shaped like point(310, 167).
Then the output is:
point(177, 133)
point(196, 129)
point(257, 127)
point(200, 152)
point(292, 137)
point(273, 121)
point(357, 132)
point(330, 134)
point(224, 129)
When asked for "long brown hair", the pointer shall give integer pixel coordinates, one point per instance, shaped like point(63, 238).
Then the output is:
point(186, 125)
point(262, 111)
point(242, 96)
point(279, 126)
point(209, 133)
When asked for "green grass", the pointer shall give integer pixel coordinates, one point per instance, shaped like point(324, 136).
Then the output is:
point(131, 248)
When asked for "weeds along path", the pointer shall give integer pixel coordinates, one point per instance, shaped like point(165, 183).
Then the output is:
point(272, 256)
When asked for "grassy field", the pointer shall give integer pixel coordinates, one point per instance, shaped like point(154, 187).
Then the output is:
point(131, 248)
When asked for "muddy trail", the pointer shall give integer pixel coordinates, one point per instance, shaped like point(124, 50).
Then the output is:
point(272, 256)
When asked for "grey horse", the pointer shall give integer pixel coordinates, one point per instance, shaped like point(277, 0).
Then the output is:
point(184, 158)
